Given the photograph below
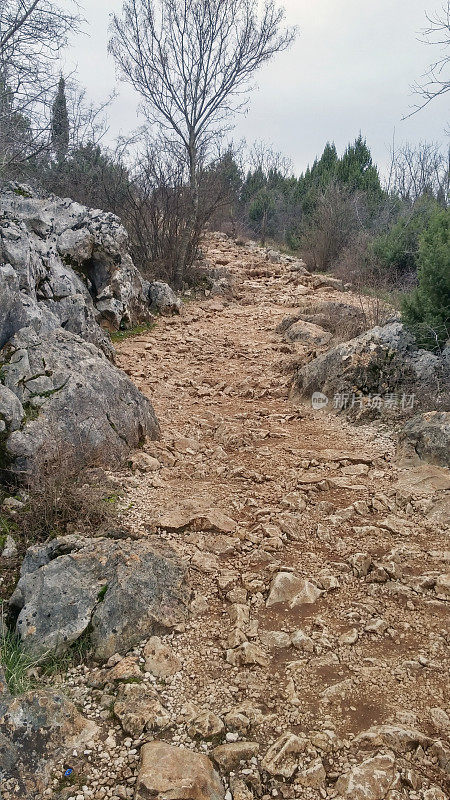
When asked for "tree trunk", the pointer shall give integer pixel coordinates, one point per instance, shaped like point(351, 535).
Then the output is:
point(192, 217)
point(264, 228)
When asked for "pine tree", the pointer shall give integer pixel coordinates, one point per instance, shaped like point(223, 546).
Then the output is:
point(427, 309)
point(356, 169)
point(60, 123)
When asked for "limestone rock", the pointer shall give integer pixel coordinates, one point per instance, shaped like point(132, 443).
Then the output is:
point(173, 773)
point(275, 639)
point(138, 708)
point(194, 516)
point(37, 729)
point(428, 435)
point(302, 641)
point(163, 298)
point(83, 411)
point(290, 588)
point(229, 756)
point(397, 737)
point(206, 725)
point(11, 410)
point(237, 721)
point(382, 360)
point(283, 758)
point(160, 659)
point(314, 776)
point(9, 548)
point(123, 590)
point(239, 789)
point(72, 261)
point(370, 780)
point(247, 654)
point(285, 586)
point(442, 587)
point(308, 333)
point(144, 462)
point(125, 669)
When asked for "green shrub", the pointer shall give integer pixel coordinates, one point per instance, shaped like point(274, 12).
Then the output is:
point(397, 250)
point(426, 310)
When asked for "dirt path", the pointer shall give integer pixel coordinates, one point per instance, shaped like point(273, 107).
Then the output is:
point(251, 484)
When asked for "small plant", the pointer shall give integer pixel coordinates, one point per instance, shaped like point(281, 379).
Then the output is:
point(21, 192)
point(129, 333)
point(102, 592)
point(16, 663)
point(112, 499)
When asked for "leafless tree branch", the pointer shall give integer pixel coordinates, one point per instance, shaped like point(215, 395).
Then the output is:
point(436, 81)
point(192, 64)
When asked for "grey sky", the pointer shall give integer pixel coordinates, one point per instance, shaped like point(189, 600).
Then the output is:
point(351, 69)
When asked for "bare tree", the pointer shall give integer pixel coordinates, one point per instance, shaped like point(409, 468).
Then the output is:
point(424, 169)
point(264, 158)
point(192, 63)
point(88, 121)
point(32, 35)
point(436, 81)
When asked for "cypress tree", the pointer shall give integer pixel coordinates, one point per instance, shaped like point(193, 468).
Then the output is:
point(60, 122)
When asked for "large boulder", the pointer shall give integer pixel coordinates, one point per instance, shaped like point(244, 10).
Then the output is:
point(72, 260)
point(36, 731)
point(77, 408)
point(19, 310)
point(163, 299)
point(383, 361)
point(118, 591)
point(428, 435)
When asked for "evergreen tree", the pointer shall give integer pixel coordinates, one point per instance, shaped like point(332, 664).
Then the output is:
point(397, 250)
point(60, 123)
point(427, 310)
point(317, 178)
point(261, 211)
point(356, 169)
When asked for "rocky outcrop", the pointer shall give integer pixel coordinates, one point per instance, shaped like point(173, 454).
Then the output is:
point(428, 435)
point(381, 362)
point(63, 403)
point(119, 592)
point(71, 266)
point(36, 730)
point(66, 274)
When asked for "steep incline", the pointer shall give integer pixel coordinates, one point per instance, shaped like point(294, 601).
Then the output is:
point(251, 485)
point(314, 662)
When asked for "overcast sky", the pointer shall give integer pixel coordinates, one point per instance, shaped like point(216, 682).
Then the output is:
point(350, 70)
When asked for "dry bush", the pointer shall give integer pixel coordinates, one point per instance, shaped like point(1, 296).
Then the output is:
point(343, 320)
point(55, 504)
point(331, 227)
point(355, 262)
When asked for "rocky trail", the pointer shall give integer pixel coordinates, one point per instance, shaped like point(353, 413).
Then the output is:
point(314, 661)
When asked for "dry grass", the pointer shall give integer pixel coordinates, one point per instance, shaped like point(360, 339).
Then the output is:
point(55, 504)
